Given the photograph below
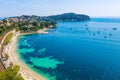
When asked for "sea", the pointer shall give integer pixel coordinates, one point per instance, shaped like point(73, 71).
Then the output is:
point(1, 18)
point(88, 50)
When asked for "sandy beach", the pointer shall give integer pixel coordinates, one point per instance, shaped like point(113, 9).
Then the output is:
point(25, 71)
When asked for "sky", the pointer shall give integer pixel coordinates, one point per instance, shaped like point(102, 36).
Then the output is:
point(93, 8)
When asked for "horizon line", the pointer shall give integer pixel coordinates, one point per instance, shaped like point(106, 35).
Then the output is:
point(63, 13)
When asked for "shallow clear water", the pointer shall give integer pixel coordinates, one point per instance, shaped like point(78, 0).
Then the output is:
point(75, 51)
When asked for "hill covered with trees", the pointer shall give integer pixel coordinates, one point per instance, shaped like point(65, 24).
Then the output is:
point(56, 18)
point(69, 17)
point(26, 23)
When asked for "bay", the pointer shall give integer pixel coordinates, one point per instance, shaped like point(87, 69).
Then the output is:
point(75, 51)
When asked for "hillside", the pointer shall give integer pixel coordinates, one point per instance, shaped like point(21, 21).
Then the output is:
point(69, 17)
point(26, 23)
point(54, 18)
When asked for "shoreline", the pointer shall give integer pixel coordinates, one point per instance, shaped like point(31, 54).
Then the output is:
point(14, 57)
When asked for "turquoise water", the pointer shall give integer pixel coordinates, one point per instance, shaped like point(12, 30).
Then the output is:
point(75, 51)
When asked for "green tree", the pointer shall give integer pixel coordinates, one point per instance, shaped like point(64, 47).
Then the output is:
point(8, 38)
point(1, 31)
point(7, 56)
point(11, 74)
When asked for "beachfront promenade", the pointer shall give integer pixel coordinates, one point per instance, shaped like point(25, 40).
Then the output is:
point(2, 67)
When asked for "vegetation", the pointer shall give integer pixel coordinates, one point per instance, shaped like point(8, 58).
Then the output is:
point(23, 26)
point(11, 74)
point(11, 64)
point(61, 17)
point(7, 56)
point(70, 17)
point(34, 26)
point(8, 38)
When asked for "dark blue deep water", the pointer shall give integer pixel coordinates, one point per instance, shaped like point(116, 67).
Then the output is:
point(75, 51)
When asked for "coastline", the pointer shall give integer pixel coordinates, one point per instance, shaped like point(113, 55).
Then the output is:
point(11, 49)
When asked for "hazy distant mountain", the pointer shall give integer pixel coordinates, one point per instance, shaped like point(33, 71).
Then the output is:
point(62, 17)
point(69, 17)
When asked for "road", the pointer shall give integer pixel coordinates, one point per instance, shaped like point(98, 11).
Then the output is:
point(2, 68)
